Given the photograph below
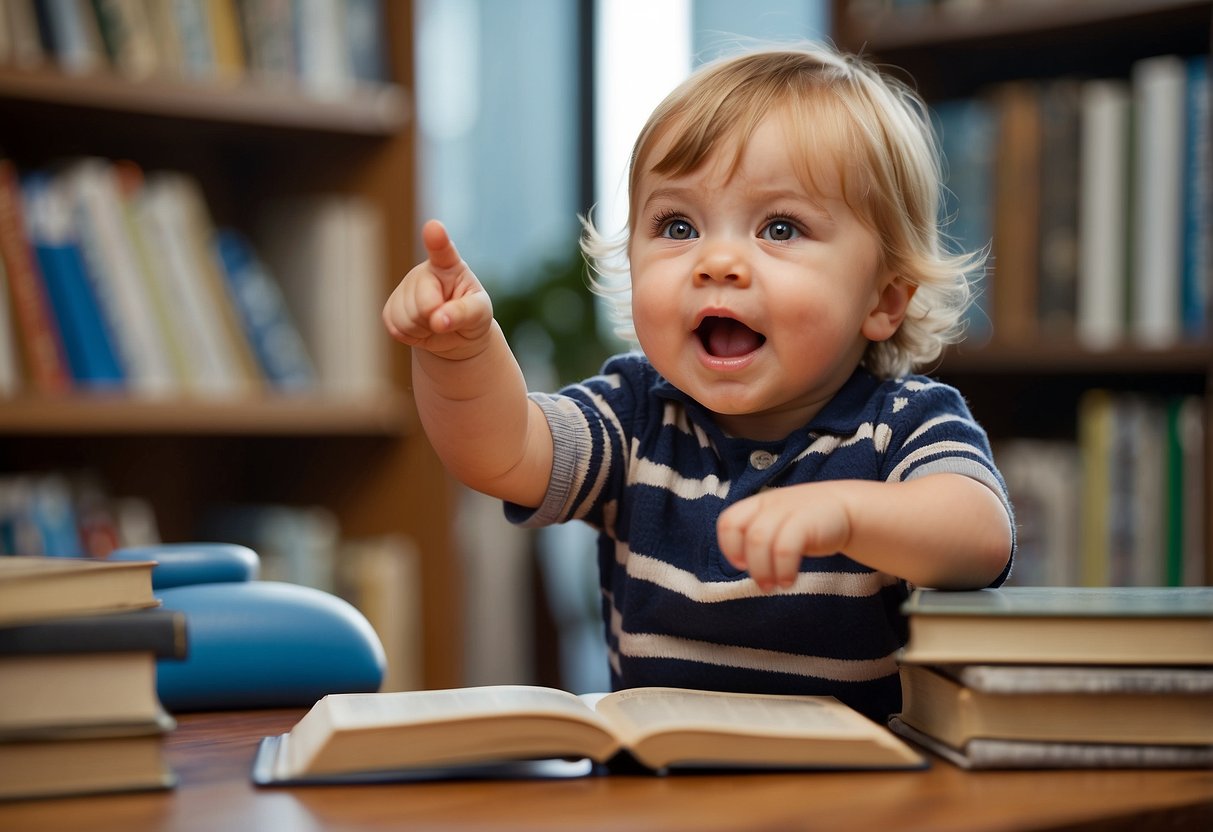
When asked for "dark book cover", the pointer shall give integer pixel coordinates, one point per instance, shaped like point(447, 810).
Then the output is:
point(161, 631)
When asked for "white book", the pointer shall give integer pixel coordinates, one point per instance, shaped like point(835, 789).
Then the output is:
point(1158, 100)
point(327, 253)
point(324, 64)
point(119, 283)
point(1103, 212)
point(213, 364)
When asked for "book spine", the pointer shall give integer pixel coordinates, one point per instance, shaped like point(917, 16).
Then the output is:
point(1158, 95)
point(1103, 212)
point(46, 362)
point(1057, 302)
point(160, 631)
point(72, 285)
point(10, 357)
point(1198, 201)
point(267, 323)
point(1017, 195)
point(112, 263)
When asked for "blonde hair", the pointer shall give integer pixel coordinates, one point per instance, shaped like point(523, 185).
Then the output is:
point(874, 127)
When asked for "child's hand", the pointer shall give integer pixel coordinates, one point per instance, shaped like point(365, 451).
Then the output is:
point(440, 306)
point(769, 533)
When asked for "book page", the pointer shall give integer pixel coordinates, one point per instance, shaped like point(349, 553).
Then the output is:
point(644, 711)
point(340, 713)
point(370, 710)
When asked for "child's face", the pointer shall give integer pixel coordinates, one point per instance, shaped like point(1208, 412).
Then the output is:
point(751, 293)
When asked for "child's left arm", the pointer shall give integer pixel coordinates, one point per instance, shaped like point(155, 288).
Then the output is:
point(944, 530)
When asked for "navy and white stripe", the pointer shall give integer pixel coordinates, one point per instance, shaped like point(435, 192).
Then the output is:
point(648, 467)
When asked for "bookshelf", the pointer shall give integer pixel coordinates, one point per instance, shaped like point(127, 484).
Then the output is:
point(364, 458)
point(1033, 386)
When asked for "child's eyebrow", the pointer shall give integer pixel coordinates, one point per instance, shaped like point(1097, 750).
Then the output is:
point(818, 205)
point(668, 194)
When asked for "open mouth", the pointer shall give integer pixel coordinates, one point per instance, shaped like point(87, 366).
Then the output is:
point(728, 337)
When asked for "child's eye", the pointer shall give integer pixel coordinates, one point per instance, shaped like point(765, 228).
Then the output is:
point(780, 230)
point(677, 229)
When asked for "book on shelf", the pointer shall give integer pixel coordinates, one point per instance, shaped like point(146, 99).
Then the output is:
point(71, 35)
point(226, 40)
point(1103, 211)
point(425, 734)
point(1099, 197)
point(327, 252)
point(966, 129)
point(1044, 483)
point(1142, 487)
point(11, 379)
point(35, 588)
point(1158, 85)
point(45, 362)
point(1197, 279)
point(1017, 206)
point(129, 36)
point(1061, 625)
point(88, 675)
point(25, 42)
point(88, 338)
point(1057, 259)
point(269, 34)
point(175, 229)
point(985, 753)
point(267, 323)
point(1156, 706)
point(122, 280)
point(324, 47)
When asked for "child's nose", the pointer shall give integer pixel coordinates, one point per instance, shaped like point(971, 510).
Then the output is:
point(722, 261)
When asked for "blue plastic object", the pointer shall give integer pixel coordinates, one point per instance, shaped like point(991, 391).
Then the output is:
point(266, 644)
point(186, 564)
point(254, 644)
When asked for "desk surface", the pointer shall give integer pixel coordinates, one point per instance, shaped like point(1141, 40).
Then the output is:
point(212, 755)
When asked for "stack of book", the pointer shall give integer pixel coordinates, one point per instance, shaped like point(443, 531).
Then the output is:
point(79, 641)
point(1059, 677)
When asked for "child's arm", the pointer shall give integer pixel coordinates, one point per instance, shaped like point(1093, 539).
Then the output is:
point(943, 530)
point(469, 389)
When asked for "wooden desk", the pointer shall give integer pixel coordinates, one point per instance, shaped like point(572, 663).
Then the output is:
point(212, 754)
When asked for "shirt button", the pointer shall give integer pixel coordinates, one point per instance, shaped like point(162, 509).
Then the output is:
point(762, 460)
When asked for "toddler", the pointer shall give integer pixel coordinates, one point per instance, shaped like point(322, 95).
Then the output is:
point(767, 475)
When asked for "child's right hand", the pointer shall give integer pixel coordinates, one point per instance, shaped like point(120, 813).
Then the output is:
point(440, 306)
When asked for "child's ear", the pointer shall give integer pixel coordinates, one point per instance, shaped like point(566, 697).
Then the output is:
point(890, 309)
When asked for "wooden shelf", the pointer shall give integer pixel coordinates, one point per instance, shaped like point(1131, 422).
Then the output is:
point(387, 415)
point(1000, 41)
point(372, 111)
point(1069, 358)
point(913, 28)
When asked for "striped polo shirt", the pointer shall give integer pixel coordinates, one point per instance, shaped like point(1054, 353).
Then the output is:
point(648, 467)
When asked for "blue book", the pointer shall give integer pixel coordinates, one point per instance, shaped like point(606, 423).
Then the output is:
point(91, 352)
point(966, 139)
point(1197, 275)
point(263, 314)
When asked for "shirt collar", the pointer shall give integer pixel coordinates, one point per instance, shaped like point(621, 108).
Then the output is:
point(837, 417)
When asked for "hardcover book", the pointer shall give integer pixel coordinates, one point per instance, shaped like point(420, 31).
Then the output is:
point(1052, 625)
point(1058, 708)
point(449, 733)
point(39, 588)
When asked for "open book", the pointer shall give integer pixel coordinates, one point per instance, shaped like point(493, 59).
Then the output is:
point(368, 736)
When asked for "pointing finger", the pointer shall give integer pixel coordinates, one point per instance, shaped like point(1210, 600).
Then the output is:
point(441, 251)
